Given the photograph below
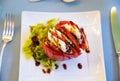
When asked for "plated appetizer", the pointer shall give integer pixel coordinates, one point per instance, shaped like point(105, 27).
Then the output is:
point(55, 41)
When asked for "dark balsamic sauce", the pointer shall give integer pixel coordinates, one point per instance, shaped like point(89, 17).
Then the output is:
point(43, 70)
point(79, 65)
point(56, 66)
point(48, 71)
point(87, 50)
point(64, 66)
point(37, 63)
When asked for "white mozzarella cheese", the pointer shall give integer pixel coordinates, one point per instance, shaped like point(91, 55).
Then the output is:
point(73, 30)
point(59, 43)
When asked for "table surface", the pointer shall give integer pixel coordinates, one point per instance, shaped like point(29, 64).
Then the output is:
point(10, 65)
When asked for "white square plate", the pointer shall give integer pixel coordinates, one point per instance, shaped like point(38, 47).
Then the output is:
point(93, 68)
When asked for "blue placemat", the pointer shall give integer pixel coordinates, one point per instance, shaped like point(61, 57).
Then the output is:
point(0, 11)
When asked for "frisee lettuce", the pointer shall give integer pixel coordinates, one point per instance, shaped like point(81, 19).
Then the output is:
point(33, 45)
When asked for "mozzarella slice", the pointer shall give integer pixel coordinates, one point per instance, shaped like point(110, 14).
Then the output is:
point(57, 42)
point(73, 30)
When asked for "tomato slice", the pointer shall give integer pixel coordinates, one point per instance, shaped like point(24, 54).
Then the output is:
point(51, 53)
point(71, 37)
point(55, 54)
point(74, 53)
point(61, 23)
point(59, 37)
point(48, 51)
point(84, 44)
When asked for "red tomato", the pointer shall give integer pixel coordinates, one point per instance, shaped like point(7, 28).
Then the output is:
point(74, 49)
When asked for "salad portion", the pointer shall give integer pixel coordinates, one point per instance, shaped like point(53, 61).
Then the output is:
point(55, 41)
point(32, 48)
